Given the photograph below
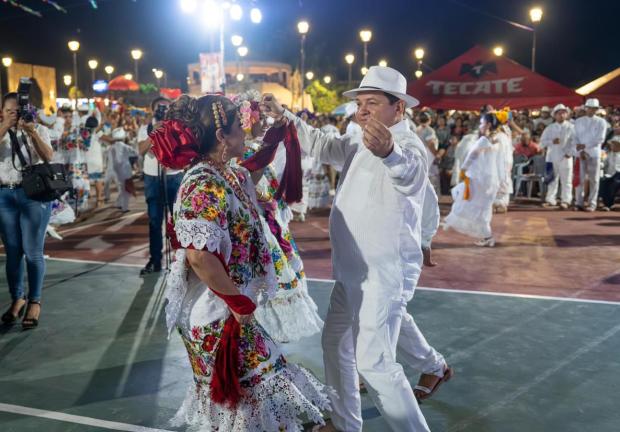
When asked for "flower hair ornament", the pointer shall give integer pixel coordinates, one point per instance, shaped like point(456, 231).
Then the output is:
point(219, 115)
point(174, 144)
point(249, 109)
point(504, 115)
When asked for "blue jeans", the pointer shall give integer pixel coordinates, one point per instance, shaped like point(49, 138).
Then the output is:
point(23, 223)
point(154, 192)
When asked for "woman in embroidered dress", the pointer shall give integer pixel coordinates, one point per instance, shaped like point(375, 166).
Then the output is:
point(482, 174)
point(222, 268)
point(291, 314)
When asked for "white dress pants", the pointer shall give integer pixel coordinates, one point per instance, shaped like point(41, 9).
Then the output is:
point(414, 351)
point(589, 170)
point(360, 336)
point(562, 174)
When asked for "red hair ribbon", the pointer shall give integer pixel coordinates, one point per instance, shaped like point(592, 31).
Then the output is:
point(290, 188)
point(174, 144)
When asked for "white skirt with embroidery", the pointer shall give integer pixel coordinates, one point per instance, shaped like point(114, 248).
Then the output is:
point(276, 404)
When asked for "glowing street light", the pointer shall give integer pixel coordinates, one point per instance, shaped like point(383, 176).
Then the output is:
point(158, 74)
point(536, 16)
point(256, 16)
point(188, 6)
point(303, 27)
point(236, 40)
point(74, 46)
point(383, 63)
point(418, 74)
point(136, 55)
point(67, 80)
point(309, 75)
point(419, 54)
point(364, 71)
point(212, 14)
point(365, 36)
point(240, 77)
point(92, 64)
point(349, 59)
point(236, 12)
point(109, 69)
point(242, 51)
point(128, 76)
point(498, 51)
point(327, 79)
point(6, 62)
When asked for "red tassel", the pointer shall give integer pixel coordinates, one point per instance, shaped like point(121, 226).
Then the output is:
point(225, 387)
point(290, 188)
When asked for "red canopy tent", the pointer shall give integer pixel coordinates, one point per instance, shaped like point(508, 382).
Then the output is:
point(480, 77)
point(120, 83)
point(608, 93)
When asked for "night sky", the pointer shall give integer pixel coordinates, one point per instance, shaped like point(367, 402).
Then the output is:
point(577, 40)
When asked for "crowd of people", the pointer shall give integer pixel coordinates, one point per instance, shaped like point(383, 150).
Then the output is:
point(233, 173)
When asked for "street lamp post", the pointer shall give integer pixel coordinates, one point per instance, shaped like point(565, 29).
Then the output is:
point(6, 62)
point(350, 58)
point(92, 64)
point(302, 27)
point(365, 36)
point(136, 55)
point(74, 46)
point(536, 16)
point(419, 56)
point(158, 74)
point(109, 70)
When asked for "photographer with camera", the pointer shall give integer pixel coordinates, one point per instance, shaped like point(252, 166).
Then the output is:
point(160, 187)
point(23, 221)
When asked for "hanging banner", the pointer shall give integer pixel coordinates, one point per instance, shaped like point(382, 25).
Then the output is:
point(212, 77)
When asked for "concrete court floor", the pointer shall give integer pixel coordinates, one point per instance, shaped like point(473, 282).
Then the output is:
point(101, 361)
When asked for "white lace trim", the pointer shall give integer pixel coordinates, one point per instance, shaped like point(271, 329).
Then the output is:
point(290, 315)
point(275, 404)
point(176, 288)
point(201, 233)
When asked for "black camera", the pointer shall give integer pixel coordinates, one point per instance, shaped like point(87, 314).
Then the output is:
point(25, 110)
point(160, 112)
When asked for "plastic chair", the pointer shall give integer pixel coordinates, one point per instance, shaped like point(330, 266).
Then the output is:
point(537, 175)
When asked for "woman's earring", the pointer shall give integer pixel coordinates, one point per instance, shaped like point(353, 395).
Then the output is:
point(224, 155)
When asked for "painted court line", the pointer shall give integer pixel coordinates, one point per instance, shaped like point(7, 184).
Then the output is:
point(93, 262)
point(501, 294)
point(70, 418)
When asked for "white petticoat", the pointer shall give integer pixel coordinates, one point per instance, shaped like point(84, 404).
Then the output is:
point(273, 405)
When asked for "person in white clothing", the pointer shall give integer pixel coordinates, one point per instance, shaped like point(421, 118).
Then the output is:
point(590, 132)
point(429, 138)
point(430, 222)
point(376, 252)
point(557, 138)
point(546, 117)
point(461, 152)
point(482, 173)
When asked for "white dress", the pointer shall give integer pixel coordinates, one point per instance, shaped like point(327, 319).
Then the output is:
point(484, 167)
point(506, 148)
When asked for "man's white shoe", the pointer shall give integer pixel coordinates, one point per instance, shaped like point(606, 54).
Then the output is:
point(489, 242)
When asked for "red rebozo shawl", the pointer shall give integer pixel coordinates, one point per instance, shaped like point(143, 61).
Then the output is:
point(290, 188)
point(225, 387)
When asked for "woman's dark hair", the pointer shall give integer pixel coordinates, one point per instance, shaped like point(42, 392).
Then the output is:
point(424, 118)
point(197, 114)
point(8, 97)
point(491, 119)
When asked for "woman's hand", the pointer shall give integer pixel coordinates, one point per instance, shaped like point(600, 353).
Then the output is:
point(242, 319)
point(26, 127)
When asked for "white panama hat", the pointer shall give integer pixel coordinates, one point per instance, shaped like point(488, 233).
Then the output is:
point(384, 79)
point(592, 103)
point(559, 107)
